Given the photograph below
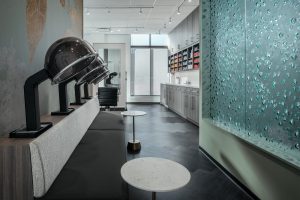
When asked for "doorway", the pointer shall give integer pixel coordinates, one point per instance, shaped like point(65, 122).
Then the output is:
point(114, 56)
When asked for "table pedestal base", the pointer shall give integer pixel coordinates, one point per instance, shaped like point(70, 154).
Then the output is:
point(153, 195)
point(134, 146)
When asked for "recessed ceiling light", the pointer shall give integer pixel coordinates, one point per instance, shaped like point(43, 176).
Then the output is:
point(189, 1)
point(118, 30)
point(88, 12)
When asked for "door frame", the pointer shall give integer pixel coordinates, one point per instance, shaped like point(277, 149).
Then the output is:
point(123, 80)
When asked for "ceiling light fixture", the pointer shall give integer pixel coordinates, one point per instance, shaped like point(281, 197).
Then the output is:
point(178, 11)
point(189, 1)
point(118, 30)
point(141, 11)
point(108, 11)
point(88, 12)
point(136, 30)
point(165, 25)
point(170, 20)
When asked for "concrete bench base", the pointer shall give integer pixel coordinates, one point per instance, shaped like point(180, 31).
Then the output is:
point(93, 170)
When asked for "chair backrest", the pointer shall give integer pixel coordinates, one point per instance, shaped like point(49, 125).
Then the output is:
point(108, 96)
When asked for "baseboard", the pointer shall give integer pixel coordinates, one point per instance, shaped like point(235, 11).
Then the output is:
point(143, 103)
point(229, 175)
point(113, 109)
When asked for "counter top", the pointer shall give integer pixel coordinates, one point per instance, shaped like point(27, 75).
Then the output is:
point(190, 86)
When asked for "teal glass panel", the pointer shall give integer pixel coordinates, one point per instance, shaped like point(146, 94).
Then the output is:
point(227, 59)
point(273, 74)
point(251, 72)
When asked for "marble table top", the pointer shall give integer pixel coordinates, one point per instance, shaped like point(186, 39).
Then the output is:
point(155, 174)
point(133, 113)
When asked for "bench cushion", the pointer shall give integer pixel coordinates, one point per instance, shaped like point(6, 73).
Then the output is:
point(93, 170)
point(107, 121)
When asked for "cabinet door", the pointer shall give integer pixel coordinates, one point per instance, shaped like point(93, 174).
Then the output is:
point(193, 107)
point(186, 104)
point(171, 97)
point(167, 95)
point(196, 28)
point(161, 94)
point(194, 95)
point(178, 100)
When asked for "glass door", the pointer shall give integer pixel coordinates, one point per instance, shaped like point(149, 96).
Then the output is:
point(114, 56)
point(141, 78)
point(149, 70)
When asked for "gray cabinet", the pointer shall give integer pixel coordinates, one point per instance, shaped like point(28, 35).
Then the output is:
point(194, 106)
point(163, 94)
point(183, 100)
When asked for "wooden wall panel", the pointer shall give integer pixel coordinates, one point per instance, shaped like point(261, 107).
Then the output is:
point(15, 172)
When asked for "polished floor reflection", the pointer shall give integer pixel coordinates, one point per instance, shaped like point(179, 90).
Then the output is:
point(164, 134)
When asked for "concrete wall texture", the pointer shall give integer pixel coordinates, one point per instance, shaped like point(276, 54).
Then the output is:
point(28, 28)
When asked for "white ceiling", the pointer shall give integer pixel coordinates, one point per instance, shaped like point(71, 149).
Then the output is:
point(115, 16)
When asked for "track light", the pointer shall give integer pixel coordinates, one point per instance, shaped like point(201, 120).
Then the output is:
point(141, 11)
point(178, 11)
point(170, 20)
point(136, 30)
point(165, 26)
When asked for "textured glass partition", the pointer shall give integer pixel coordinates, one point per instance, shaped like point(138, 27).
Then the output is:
point(251, 72)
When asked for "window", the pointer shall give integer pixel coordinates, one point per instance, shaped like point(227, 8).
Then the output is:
point(159, 40)
point(140, 40)
point(149, 40)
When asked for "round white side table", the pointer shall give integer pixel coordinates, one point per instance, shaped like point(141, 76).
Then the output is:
point(155, 174)
point(133, 146)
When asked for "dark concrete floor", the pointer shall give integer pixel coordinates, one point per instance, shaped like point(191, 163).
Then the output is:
point(164, 134)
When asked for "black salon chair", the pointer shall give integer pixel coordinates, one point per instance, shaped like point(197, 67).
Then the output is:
point(108, 96)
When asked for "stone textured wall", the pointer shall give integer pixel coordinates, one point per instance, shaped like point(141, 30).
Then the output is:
point(28, 28)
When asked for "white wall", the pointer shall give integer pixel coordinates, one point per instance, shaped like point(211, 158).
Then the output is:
point(191, 76)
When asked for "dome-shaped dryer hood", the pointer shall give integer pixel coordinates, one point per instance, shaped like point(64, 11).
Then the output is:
point(99, 72)
point(95, 67)
point(98, 69)
point(99, 78)
point(67, 57)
